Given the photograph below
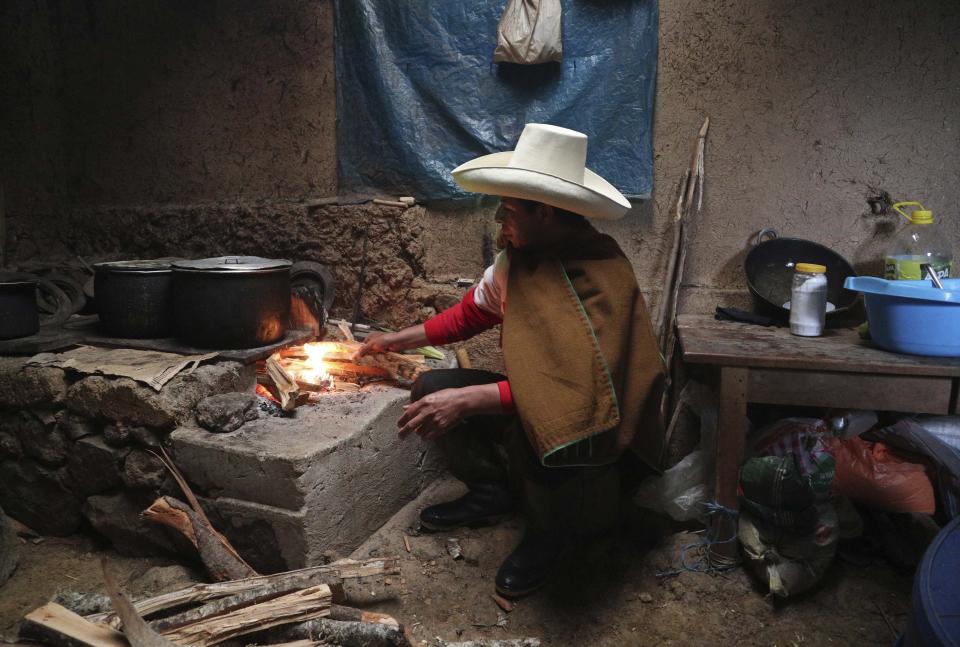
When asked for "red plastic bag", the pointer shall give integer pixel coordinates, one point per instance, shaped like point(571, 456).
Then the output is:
point(870, 474)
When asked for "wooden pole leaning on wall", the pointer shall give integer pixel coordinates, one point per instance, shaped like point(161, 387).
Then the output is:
point(690, 188)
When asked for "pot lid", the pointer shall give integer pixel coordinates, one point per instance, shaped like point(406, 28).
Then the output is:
point(17, 278)
point(148, 265)
point(233, 264)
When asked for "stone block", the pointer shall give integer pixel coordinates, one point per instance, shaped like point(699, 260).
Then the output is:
point(73, 426)
point(9, 548)
point(116, 435)
point(335, 472)
point(141, 469)
point(126, 401)
point(39, 497)
point(94, 466)
point(46, 444)
point(26, 386)
point(117, 517)
point(227, 412)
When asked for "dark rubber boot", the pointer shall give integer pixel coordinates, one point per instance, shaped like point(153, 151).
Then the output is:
point(530, 564)
point(486, 503)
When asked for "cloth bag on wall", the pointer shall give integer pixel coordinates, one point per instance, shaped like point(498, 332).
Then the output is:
point(529, 32)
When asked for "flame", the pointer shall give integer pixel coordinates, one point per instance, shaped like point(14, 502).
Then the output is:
point(316, 370)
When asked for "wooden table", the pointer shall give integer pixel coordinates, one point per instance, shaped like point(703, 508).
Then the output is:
point(771, 366)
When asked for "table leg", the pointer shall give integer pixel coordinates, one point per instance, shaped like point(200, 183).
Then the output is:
point(728, 452)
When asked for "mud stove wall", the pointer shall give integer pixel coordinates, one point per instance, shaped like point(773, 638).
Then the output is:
point(79, 451)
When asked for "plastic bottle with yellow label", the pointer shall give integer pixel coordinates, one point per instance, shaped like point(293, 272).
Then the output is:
point(919, 242)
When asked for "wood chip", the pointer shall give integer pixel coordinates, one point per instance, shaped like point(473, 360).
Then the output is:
point(502, 602)
point(406, 543)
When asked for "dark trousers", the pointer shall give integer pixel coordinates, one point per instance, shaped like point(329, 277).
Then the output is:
point(574, 500)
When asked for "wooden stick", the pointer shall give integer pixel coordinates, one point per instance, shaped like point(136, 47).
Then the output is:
point(135, 628)
point(344, 633)
point(286, 385)
point(463, 359)
point(390, 203)
point(218, 556)
point(329, 574)
point(55, 625)
point(299, 606)
point(339, 612)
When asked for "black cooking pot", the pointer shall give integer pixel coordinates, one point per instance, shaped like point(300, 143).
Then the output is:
point(231, 301)
point(18, 305)
point(134, 298)
point(769, 268)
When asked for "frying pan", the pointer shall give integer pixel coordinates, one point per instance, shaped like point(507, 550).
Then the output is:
point(769, 268)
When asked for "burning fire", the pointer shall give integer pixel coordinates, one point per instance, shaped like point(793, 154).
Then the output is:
point(315, 370)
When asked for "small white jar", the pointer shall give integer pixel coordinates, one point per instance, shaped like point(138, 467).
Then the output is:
point(808, 300)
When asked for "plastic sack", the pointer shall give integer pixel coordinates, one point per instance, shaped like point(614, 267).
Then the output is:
point(909, 435)
point(529, 33)
point(807, 441)
point(870, 474)
point(946, 428)
point(679, 491)
point(788, 562)
point(775, 492)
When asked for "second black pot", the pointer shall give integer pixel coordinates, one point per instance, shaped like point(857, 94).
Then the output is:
point(231, 301)
point(134, 298)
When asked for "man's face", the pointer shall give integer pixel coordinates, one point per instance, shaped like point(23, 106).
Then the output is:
point(518, 226)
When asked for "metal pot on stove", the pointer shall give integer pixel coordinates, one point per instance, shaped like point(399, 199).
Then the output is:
point(18, 305)
point(231, 301)
point(134, 298)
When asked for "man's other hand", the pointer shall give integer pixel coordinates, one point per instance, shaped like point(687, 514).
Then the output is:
point(434, 414)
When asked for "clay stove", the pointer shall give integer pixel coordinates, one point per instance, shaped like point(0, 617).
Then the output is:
point(76, 450)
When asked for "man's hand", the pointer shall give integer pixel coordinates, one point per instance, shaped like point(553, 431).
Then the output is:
point(382, 342)
point(439, 412)
point(433, 414)
point(377, 342)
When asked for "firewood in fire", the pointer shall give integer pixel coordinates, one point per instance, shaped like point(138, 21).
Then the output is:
point(286, 386)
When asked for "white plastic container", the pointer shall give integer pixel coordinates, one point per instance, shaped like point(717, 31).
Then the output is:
point(808, 300)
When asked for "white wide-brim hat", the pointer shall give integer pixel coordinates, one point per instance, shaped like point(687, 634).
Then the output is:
point(549, 166)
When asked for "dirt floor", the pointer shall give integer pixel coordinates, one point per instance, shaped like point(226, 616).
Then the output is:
point(608, 595)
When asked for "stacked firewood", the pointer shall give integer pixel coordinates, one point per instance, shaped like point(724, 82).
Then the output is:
point(271, 609)
point(301, 608)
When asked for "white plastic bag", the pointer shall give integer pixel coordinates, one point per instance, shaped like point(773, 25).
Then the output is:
point(529, 32)
point(679, 492)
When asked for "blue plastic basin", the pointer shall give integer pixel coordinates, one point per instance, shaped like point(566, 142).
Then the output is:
point(912, 316)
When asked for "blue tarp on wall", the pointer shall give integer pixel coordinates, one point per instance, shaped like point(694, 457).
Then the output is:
point(418, 92)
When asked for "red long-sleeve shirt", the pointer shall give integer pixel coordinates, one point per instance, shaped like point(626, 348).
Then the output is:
point(463, 321)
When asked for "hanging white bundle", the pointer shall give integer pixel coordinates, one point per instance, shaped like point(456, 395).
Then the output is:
point(529, 32)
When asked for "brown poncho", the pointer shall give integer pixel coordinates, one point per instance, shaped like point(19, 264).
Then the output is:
point(580, 353)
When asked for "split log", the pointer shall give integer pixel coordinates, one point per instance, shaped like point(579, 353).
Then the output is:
point(343, 633)
point(339, 612)
point(135, 628)
point(297, 607)
point(286, 385)
point(218, 556)
point(330, 574)
point(52, 624)
point(489, 642)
